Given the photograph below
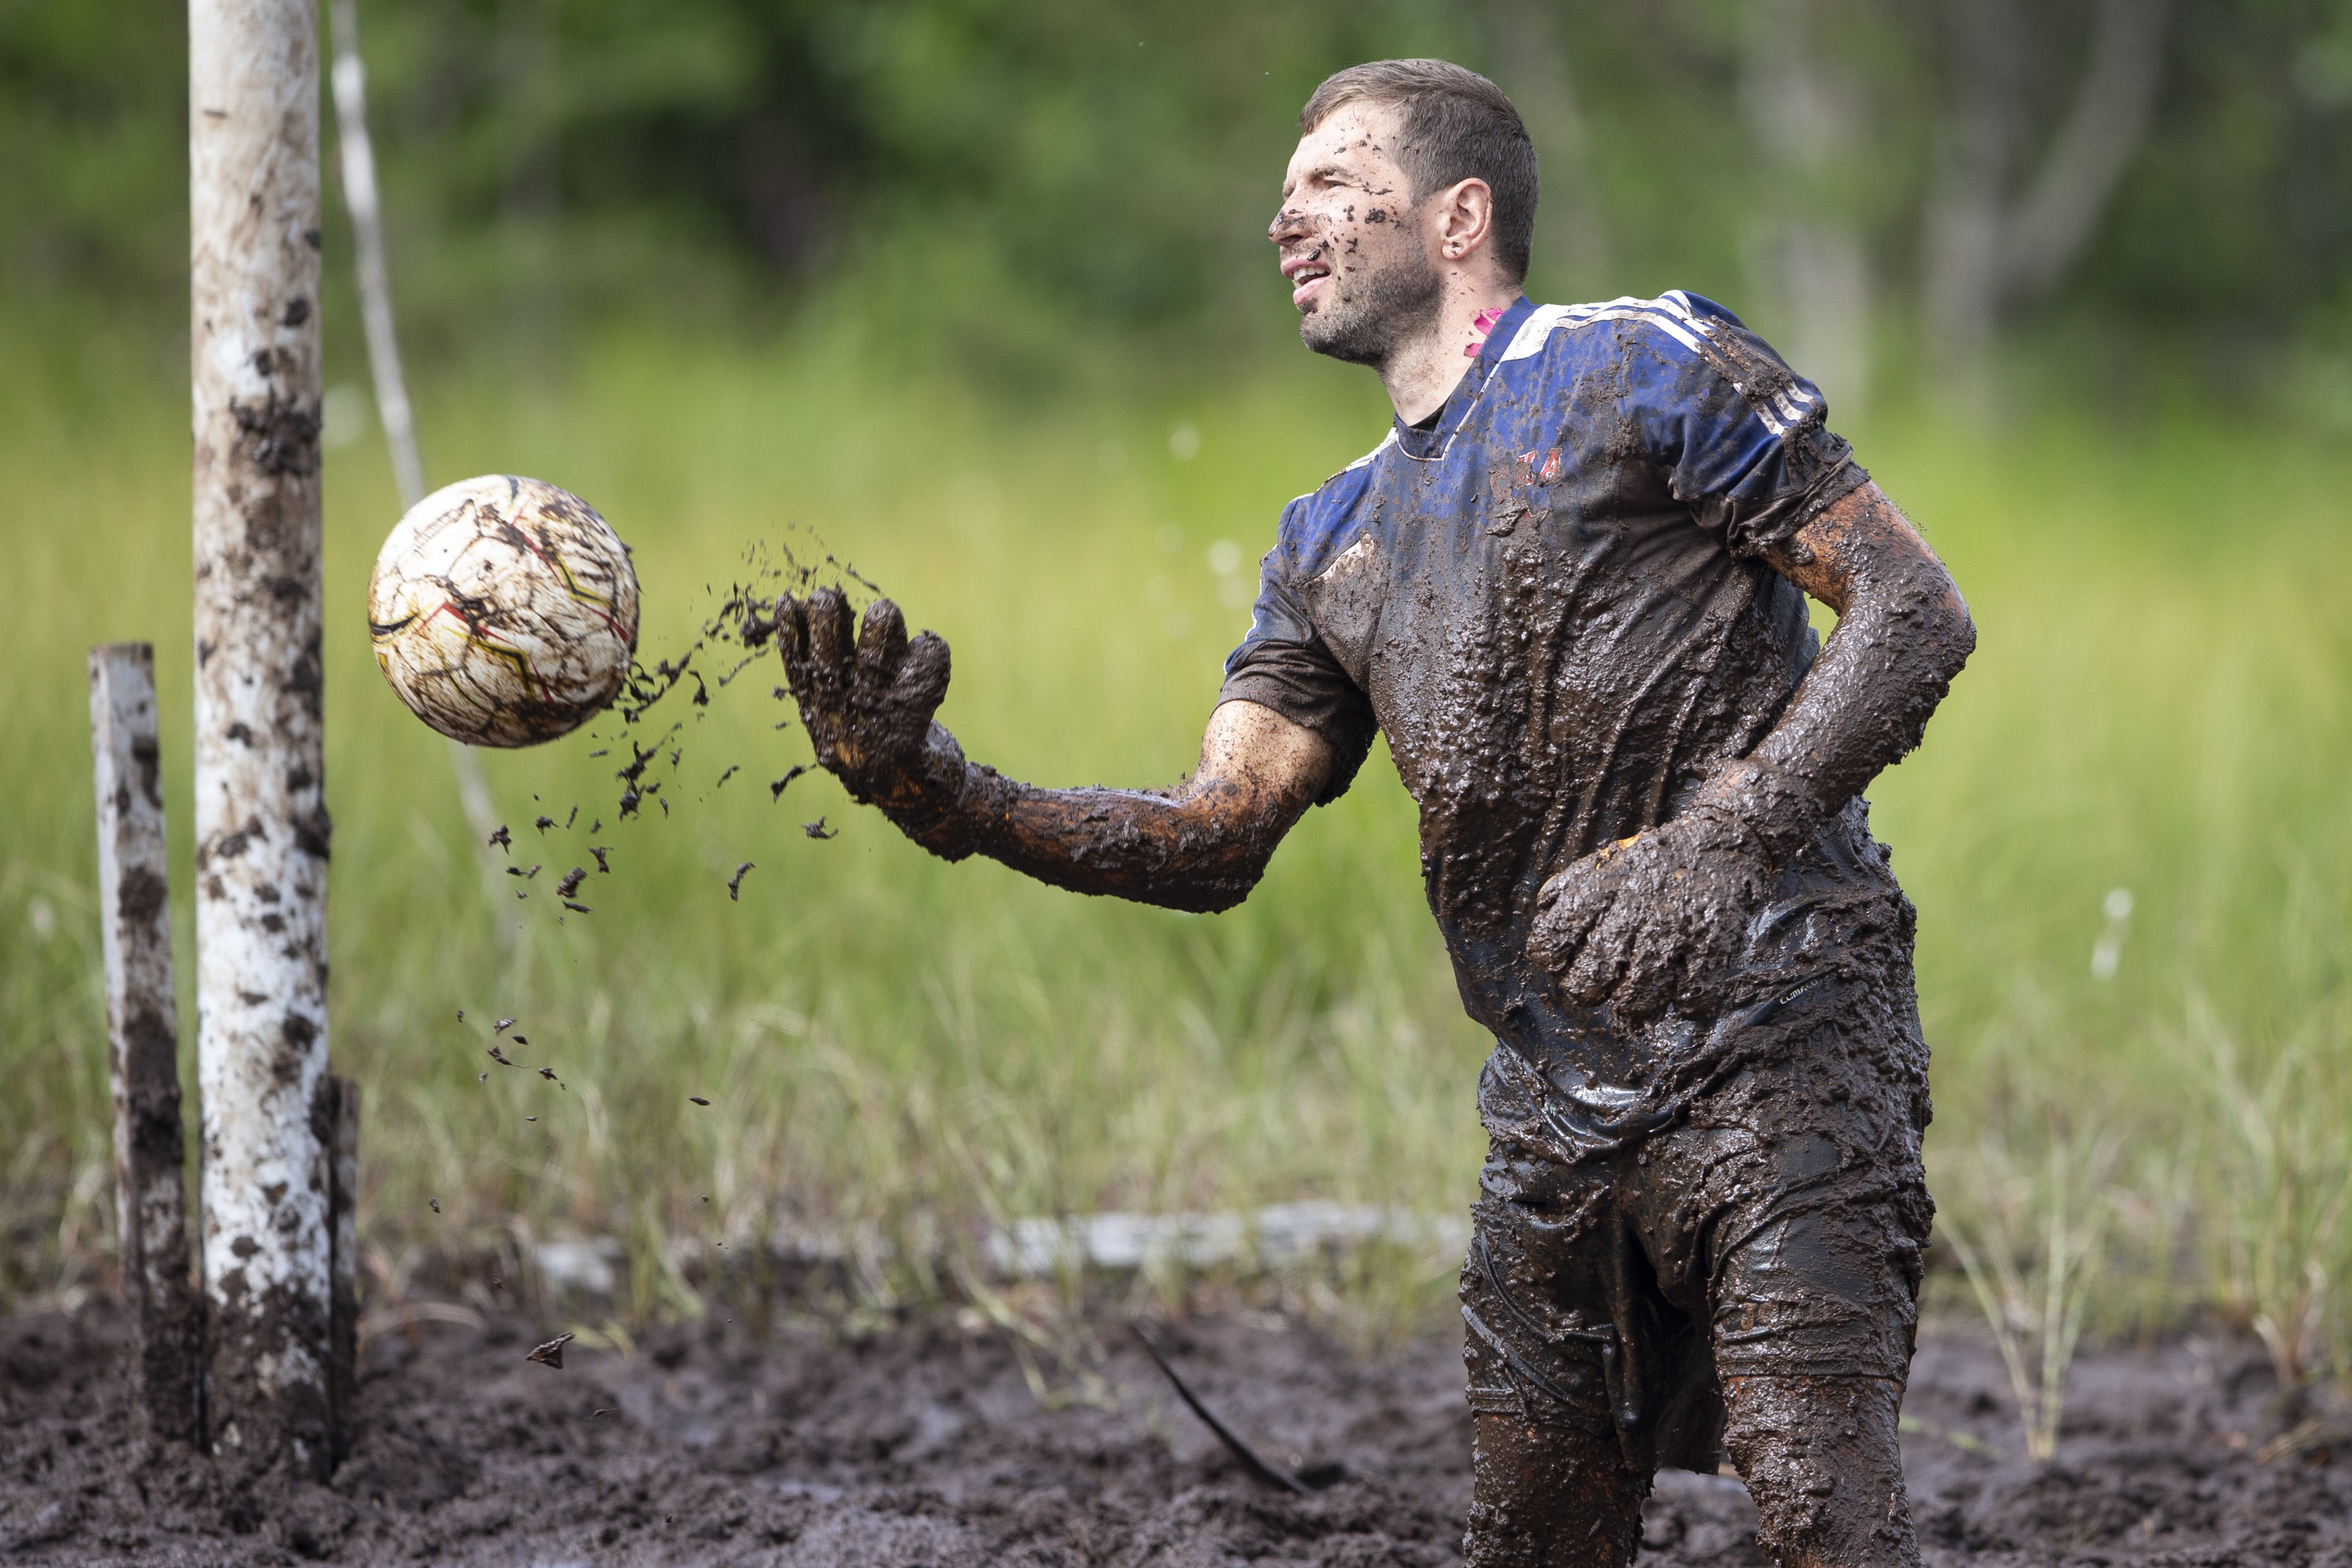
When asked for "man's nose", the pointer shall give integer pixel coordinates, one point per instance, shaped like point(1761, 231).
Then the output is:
point(1289, 224)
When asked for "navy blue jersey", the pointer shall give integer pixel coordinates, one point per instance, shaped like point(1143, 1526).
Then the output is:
point(1554, 605)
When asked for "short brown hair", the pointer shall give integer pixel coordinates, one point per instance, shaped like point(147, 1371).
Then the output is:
point(1457, 125)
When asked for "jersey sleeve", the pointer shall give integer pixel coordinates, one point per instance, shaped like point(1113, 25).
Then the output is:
point(1284, 664)
point(1742, 436)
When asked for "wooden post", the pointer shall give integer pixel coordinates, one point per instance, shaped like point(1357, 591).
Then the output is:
point(261, 817)
point(142, 1037)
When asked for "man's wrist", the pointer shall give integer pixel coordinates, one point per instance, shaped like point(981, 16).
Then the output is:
point(925, 799)
point(1773, 805)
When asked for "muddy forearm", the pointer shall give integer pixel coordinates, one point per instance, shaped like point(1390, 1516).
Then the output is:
point(1201, 850)
point(1901, 634)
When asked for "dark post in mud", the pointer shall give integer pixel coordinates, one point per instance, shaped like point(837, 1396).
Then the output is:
point(142, 1037)
point(270, 1108)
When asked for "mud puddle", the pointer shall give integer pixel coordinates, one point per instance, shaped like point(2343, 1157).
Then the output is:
point(925, 1444)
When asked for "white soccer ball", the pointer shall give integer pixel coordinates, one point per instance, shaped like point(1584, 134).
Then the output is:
point(503, 611)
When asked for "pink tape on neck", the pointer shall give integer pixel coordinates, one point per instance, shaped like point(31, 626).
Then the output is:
point(1480, 325)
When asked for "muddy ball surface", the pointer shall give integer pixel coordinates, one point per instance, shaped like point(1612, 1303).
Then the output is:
point(503, 611)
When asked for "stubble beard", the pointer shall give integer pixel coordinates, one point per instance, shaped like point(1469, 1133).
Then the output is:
point(1371, 315)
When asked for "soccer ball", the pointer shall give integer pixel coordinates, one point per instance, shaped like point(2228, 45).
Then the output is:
point(503, 611)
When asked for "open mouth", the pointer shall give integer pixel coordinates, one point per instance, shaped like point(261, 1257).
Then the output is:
point(1305, 278)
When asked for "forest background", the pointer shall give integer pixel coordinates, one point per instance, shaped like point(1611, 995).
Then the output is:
point(979, 293)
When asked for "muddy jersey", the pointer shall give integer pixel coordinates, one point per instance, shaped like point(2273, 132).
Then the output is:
point(1554, 605)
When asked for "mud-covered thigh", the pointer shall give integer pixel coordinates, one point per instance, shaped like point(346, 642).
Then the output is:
point(1799, 1245)
point(1768, 1234)
point(1539, 1334)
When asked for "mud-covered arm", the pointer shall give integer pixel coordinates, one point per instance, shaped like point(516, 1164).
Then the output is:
point(867, 699)
point(1654, 921)
point(1903, 633)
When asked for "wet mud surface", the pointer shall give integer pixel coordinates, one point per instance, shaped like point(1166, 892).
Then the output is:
point(924, 1443)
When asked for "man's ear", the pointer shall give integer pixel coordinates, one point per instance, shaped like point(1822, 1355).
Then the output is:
point(1464, 214)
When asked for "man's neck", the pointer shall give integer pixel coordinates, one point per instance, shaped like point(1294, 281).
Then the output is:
point(1421, 375)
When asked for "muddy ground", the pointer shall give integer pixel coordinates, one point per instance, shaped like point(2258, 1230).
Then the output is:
point(925, 1445)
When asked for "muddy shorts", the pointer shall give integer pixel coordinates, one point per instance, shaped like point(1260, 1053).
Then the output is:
point(1773, 1228)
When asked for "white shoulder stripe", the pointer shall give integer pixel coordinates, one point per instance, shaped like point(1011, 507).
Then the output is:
point(1534, 330)
point(1671, 315)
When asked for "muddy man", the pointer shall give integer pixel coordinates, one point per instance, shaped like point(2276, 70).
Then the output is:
point(1569, 586)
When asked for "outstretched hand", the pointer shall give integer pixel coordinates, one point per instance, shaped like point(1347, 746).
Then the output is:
point(1655, 919)
point(866, 697)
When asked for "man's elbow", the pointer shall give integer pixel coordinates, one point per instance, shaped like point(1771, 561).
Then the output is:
point(1919, 608)
point(1950, 634)
point(1225, 886)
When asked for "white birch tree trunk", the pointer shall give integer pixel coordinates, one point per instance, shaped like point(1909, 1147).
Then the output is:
point(143, 1038)
point(261, 817)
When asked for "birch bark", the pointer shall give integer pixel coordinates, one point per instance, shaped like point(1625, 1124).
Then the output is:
point(143, 1038)
point(261, 817)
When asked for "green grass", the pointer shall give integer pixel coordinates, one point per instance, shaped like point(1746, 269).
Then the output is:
point(898, 1050)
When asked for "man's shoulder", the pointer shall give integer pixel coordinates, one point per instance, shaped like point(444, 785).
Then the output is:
point(1670, 353)
point(1677, 324)
point(1313, 521)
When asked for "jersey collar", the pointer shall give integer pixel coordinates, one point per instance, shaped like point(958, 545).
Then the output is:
point(1427, 445)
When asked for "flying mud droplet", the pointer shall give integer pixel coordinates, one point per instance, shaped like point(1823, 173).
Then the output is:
point(817, 829)
point(551, 1352)
point(735, 883)
point(698, 1100)
point(741, 629)
point(434, 1204)
point(544, 823)
point(502, 838)
point(571, 883)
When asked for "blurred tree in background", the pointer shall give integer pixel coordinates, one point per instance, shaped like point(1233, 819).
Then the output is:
point(1879, 183)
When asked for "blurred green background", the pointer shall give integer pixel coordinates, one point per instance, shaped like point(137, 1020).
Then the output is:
point(979, 292)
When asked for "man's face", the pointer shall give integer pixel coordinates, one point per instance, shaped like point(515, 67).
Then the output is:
point(1351, 243)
